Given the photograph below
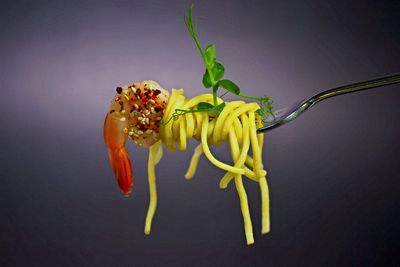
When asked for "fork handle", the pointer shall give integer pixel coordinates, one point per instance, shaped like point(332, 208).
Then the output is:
point(354, 87)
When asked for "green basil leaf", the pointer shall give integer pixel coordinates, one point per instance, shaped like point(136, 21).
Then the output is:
point(204, 106)
point(230, 86)
point(211, 54)
point(206, 80)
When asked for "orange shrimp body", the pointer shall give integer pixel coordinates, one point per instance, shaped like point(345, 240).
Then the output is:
point(135, 112)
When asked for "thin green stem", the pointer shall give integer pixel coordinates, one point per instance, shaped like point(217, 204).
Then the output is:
point(251, 97)
point(212, 79)
point(215, 96)
point(193, 32)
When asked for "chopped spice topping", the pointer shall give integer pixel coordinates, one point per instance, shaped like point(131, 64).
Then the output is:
point(145, 108)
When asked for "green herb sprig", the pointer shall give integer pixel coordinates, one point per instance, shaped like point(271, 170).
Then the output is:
point(212, 78)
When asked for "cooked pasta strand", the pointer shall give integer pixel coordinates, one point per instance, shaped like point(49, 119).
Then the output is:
point(193, 162)
point(207, 151)
point(239, 159)
point(265, 223)
point(244, 205)
point(152, 186)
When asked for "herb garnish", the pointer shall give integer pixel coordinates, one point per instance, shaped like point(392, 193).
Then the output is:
point(212, 78)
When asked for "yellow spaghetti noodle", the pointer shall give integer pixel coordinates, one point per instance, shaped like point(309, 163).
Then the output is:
point(236, 124)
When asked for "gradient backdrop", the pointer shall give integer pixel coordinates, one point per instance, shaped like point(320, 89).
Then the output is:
point(333, 173)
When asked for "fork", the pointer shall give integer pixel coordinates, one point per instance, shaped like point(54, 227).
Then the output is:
point(285, 115)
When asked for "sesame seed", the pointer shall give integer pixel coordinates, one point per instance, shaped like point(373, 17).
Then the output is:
point(147, 120)
point(126, 97)
point(122, 119)
point(140, 132)
point(152, 110)
point(152, 101)
point(136, 106)
point(123, 111)
point(130, 133)
point(149, 131)
point(158, 118)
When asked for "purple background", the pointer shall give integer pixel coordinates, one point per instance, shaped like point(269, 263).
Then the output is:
point(333, 173)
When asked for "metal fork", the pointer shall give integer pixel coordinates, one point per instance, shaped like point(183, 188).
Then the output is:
point(286, 115)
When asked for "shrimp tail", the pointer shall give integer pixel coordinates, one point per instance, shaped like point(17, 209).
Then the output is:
point(115, 137)
point(121, 165)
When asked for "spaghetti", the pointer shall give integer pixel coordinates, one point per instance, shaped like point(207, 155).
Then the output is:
point(235, 124)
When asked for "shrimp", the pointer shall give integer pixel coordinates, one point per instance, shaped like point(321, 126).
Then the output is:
point(135, 112)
